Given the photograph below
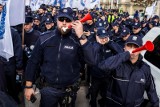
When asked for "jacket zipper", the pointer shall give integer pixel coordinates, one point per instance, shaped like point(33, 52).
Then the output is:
point(58, 59)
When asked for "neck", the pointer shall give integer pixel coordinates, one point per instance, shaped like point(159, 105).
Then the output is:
point(133, 60)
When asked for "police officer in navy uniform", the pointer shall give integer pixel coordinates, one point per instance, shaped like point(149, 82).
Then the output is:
point(37, 23)
point(131, 76)
point(125, 33)
point(58, 54)
point(156, 19)
point(49, 25)
point(151, 24)
point(115, 32)
point(136, 29)
point(99, 79)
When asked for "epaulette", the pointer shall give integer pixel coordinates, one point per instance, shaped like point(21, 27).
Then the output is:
point(46, 36)
point(45, 33)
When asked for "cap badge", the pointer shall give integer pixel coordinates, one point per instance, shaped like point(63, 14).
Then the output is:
point(65, 10)
point(134, 38)
point(103, 31)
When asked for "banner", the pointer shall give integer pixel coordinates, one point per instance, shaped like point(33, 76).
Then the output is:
point(150, 10)
point(17, 12)
point(6, 45)
point(80, 4)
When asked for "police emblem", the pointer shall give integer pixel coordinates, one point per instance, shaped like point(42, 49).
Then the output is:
point(65, 10)
point(134, 38)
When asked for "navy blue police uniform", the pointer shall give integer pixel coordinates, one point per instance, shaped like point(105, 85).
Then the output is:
point(59, 58)
point(129, 81)
point(137, 25)
point(115, 34)
point(60, 66)
point(99, 78)
point(125, 31)
point(48, 21)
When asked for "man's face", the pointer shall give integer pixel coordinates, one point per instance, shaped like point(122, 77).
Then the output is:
point(63, 22)
point(115, 27)
point(28, 27)
point(49, 25)
point(150, 26)
point(130, 47)
point(136, 30)
point(89, 22)
point(36, 22)
point(54, 11)
point(40, 11)
point(125, 37)
point(102, 40)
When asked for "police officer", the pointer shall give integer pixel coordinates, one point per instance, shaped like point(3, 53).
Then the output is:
point(58, 54)
point(125, 33)
point(49, 25)
point(156, 19)
point(136, 29)
point(105, 49)
point(131, 76)
point(151, 24)
point(115, 32)
point(37, 23)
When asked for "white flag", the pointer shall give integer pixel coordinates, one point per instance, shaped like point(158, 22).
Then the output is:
point(150, 10)
point(6, 45)
point(17, 12)
point(90, 4)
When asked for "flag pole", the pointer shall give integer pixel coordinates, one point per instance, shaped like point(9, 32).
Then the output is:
point(22, 35)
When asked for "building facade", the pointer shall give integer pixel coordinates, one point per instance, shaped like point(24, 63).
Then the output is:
point(130, 5)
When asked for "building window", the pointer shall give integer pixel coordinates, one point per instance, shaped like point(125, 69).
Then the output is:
point(154, 56)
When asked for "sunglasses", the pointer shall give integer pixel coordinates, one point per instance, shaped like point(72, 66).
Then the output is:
point(135, 28)
point(61, 19)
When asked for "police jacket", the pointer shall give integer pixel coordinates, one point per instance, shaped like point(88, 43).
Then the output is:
point(104, 51)
point(138, 34)
point(58, 57)
point(128, 81)
point(114, 35)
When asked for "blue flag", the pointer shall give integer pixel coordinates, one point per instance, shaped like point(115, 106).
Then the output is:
point(2, 23)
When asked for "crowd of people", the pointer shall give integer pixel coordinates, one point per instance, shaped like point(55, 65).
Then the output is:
point(56, 52)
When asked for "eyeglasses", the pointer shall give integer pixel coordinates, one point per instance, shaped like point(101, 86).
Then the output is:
point(61, 19)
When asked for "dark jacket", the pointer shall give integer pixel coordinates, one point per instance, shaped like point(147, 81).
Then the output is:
point(16, 60)
point(58, 57)
point(2, 75)
point(129, 81)
point(6, 100)
point(104, 51)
